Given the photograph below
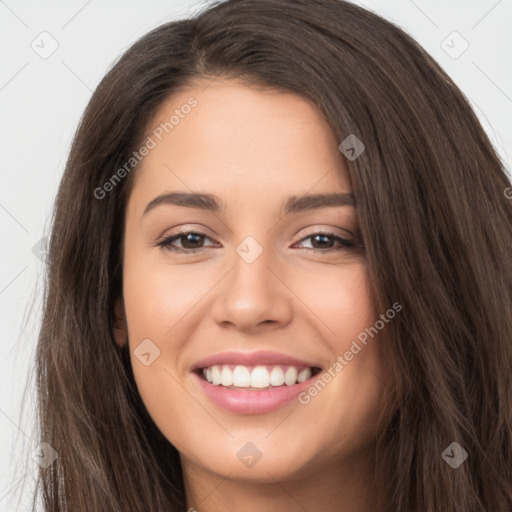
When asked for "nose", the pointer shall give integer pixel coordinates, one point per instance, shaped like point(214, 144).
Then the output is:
point(253, 296)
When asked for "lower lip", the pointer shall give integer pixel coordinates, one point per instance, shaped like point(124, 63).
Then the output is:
point(245, 401)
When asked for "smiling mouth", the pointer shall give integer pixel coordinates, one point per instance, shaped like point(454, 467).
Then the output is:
point(256, 378)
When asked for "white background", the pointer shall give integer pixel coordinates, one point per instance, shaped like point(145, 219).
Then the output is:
point(41, 101)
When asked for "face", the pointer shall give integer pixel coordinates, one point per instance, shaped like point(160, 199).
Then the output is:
point(224, 304)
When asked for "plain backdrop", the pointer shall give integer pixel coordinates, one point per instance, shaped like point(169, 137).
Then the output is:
point(54, 53)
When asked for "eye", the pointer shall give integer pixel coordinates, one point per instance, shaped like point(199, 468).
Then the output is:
point(189, 242)
point(192, 242)
point(323, 242)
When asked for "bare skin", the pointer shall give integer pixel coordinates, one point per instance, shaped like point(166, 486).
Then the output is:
point(253, 149)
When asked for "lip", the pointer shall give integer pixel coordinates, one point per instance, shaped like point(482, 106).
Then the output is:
point(244, 401)
point(254, 359)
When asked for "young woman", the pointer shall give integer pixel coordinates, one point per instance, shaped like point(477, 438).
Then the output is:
point(279, 277)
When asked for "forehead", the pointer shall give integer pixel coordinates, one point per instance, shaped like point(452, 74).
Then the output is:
point(245, 144)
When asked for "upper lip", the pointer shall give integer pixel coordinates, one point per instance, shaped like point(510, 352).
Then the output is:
point(253, 359)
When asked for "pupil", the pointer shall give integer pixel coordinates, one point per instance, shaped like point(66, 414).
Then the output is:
point(325, 237)
point(188, 239)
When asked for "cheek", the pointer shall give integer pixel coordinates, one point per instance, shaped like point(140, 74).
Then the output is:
point(347, 400)
point(159, 303)
point(158, 297)
point(341, 300)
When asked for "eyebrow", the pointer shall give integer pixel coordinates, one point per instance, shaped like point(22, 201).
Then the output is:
point(210, 202)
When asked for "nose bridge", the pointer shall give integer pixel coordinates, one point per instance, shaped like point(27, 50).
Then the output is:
point(252, 294)
point(251, 262)
point(252, 280)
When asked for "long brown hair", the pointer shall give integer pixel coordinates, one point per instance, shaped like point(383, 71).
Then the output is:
point(436, 224)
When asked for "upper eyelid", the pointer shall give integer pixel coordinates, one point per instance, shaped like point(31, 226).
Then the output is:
point(305, 231)
point(317, 229)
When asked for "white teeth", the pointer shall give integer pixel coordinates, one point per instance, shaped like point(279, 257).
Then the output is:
point(304, 374)
point(226, 377)
point(258, 377)
point(241, 377)
point(290, 377)
point(215, 375)
point(277, 376)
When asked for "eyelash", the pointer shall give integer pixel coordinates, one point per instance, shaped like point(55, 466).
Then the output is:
point(166, 243)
